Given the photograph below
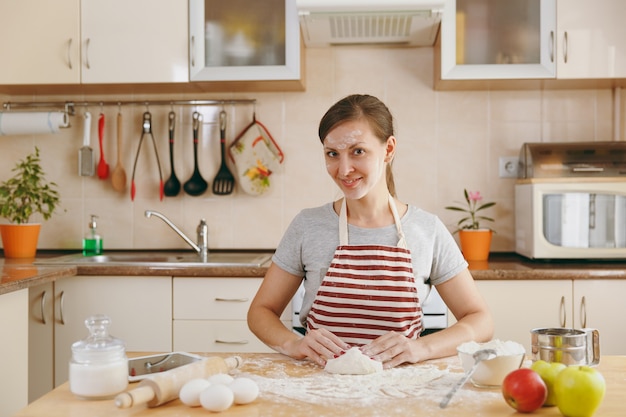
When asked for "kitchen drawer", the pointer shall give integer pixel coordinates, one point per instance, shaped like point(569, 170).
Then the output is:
point(216, 336)
point(216, 298)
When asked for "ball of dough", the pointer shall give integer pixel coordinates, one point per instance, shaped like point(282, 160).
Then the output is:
point(353, 362)
point(223, 379)
point(217, 398)
point(245, 390)
point(190, 392)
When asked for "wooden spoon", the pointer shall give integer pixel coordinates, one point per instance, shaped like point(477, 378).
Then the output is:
point(118, 176)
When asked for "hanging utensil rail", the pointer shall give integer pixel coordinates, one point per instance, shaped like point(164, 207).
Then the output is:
point(70, 106)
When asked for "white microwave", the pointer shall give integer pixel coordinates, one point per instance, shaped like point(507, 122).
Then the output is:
point(571, 218)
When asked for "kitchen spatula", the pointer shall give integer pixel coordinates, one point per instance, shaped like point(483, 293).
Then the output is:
point(86, 166)
point(224, 181)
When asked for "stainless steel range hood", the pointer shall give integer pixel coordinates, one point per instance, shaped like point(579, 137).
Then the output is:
point(340, 22)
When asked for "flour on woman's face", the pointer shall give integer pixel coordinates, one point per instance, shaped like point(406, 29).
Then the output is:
point(355, 158)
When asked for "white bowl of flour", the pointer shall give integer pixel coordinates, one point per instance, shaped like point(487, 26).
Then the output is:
point(490, 373)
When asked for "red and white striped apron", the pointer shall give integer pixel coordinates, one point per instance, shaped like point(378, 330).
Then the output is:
point(369, 290)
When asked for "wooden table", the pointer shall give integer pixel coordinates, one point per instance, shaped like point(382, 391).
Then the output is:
point(294, 388)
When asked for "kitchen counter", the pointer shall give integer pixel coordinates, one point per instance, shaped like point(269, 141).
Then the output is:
point(298, 388)
point(19, 274)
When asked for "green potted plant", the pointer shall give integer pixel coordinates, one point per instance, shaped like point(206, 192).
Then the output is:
point(475, 240)
point(21, 196)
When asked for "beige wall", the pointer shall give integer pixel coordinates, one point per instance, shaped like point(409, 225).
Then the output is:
point(447, 141)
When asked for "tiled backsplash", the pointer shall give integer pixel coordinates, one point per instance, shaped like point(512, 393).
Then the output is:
point(448, 140)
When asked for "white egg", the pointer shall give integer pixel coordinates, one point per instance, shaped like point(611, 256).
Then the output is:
point(217, 398)
point(245, 390)
point(223, 379)
point(190, 392)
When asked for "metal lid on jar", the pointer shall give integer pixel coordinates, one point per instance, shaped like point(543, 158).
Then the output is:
point(99, 346)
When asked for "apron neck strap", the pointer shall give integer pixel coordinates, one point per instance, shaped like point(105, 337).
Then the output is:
point(343, 223)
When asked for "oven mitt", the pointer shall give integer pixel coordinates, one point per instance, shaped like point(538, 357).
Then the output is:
point(256, 156)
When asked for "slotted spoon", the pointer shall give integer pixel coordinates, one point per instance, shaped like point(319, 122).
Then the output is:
point(224, 181)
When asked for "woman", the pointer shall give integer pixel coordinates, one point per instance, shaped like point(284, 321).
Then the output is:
point(365, 259)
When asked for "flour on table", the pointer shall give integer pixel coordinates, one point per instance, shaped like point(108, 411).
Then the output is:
point(353, 362)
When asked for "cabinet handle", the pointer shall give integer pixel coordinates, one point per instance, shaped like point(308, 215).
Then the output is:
point(565, 47)
point(43, 307)
point(87, 54)
point(583, 312)
point(562, 312)
point(232, 342)
point(551, 46)
point(69, 53)
point(193, 51)
point(232, 300)
point(61, 307)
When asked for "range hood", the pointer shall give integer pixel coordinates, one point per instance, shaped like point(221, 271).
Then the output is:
point(340, 22)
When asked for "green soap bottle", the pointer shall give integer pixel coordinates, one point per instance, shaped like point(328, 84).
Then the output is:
point(92, 242)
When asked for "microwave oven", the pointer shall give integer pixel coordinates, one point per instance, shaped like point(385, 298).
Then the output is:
point(571, 220)
point(570, 200)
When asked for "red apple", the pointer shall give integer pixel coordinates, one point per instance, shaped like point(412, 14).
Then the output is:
point(524, 390)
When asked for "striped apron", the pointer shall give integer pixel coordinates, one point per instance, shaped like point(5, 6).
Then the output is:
point(369, 290)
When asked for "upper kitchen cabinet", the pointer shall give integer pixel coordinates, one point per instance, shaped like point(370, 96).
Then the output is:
point(591, 39)
point(40, 42)
point(78, 42)
point(494, 39)
point(139, 41)
point(533, 39)
point(244, 40)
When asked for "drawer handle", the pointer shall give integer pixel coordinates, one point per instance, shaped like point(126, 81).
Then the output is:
point(62, 307)
point(583, 312)
point(43, 307)
point(232, 342)
point(232, 300)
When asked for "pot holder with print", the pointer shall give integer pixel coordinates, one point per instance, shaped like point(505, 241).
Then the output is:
point(256, 156)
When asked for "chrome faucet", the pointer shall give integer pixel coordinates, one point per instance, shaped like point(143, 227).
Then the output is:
point(202, 247)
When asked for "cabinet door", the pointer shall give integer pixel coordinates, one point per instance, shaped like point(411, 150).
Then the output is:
point(590, 39)
point(140, 309)
point(14, 352)
point(216, 336)
point(599, 304)
point(520, 306)
point(139, 41)
point(492, 39)
point(244, 40)
point(40, 340)
point(40, 42)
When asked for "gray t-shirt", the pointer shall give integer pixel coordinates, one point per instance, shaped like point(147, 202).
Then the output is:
point(310, 241)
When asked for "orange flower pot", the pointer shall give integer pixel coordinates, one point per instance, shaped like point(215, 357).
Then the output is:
point(475, 244)
point(20, 240)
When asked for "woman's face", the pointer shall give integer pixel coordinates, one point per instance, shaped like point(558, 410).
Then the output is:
point(356, 159)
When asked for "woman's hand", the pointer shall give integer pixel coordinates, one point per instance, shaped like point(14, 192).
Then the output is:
point(317, 345)
point(393, 349)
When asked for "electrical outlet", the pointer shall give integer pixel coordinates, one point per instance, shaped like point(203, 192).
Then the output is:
point(508, 166)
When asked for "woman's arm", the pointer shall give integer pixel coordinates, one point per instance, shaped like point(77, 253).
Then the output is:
point(275, 293)
point(474, 322)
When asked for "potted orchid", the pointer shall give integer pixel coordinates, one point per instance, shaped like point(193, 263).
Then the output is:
point(475, 240)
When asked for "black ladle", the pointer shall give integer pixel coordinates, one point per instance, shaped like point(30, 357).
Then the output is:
point(172, 185)
point(195, 185)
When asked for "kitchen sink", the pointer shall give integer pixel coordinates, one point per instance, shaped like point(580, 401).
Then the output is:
point(162, 259)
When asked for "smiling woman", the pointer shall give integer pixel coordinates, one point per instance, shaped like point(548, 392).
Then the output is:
point(367, 260)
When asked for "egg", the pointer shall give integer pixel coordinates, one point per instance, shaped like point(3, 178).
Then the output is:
point(245, 390)
point(217, 398)
point(190, 392)
point(220, 379)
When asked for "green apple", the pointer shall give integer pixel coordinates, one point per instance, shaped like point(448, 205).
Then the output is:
point(548, 372)
point(579, 391)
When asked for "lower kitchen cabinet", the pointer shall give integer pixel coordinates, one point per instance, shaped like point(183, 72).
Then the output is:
point(521, 305)
point(518, 306)
point(140, 309)
point(13, 352)
point(599, 304)
point(210, 315)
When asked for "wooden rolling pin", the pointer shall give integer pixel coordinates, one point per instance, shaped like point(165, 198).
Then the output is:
point(160, 388)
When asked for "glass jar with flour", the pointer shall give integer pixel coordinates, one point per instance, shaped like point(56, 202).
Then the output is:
point(99, 366)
